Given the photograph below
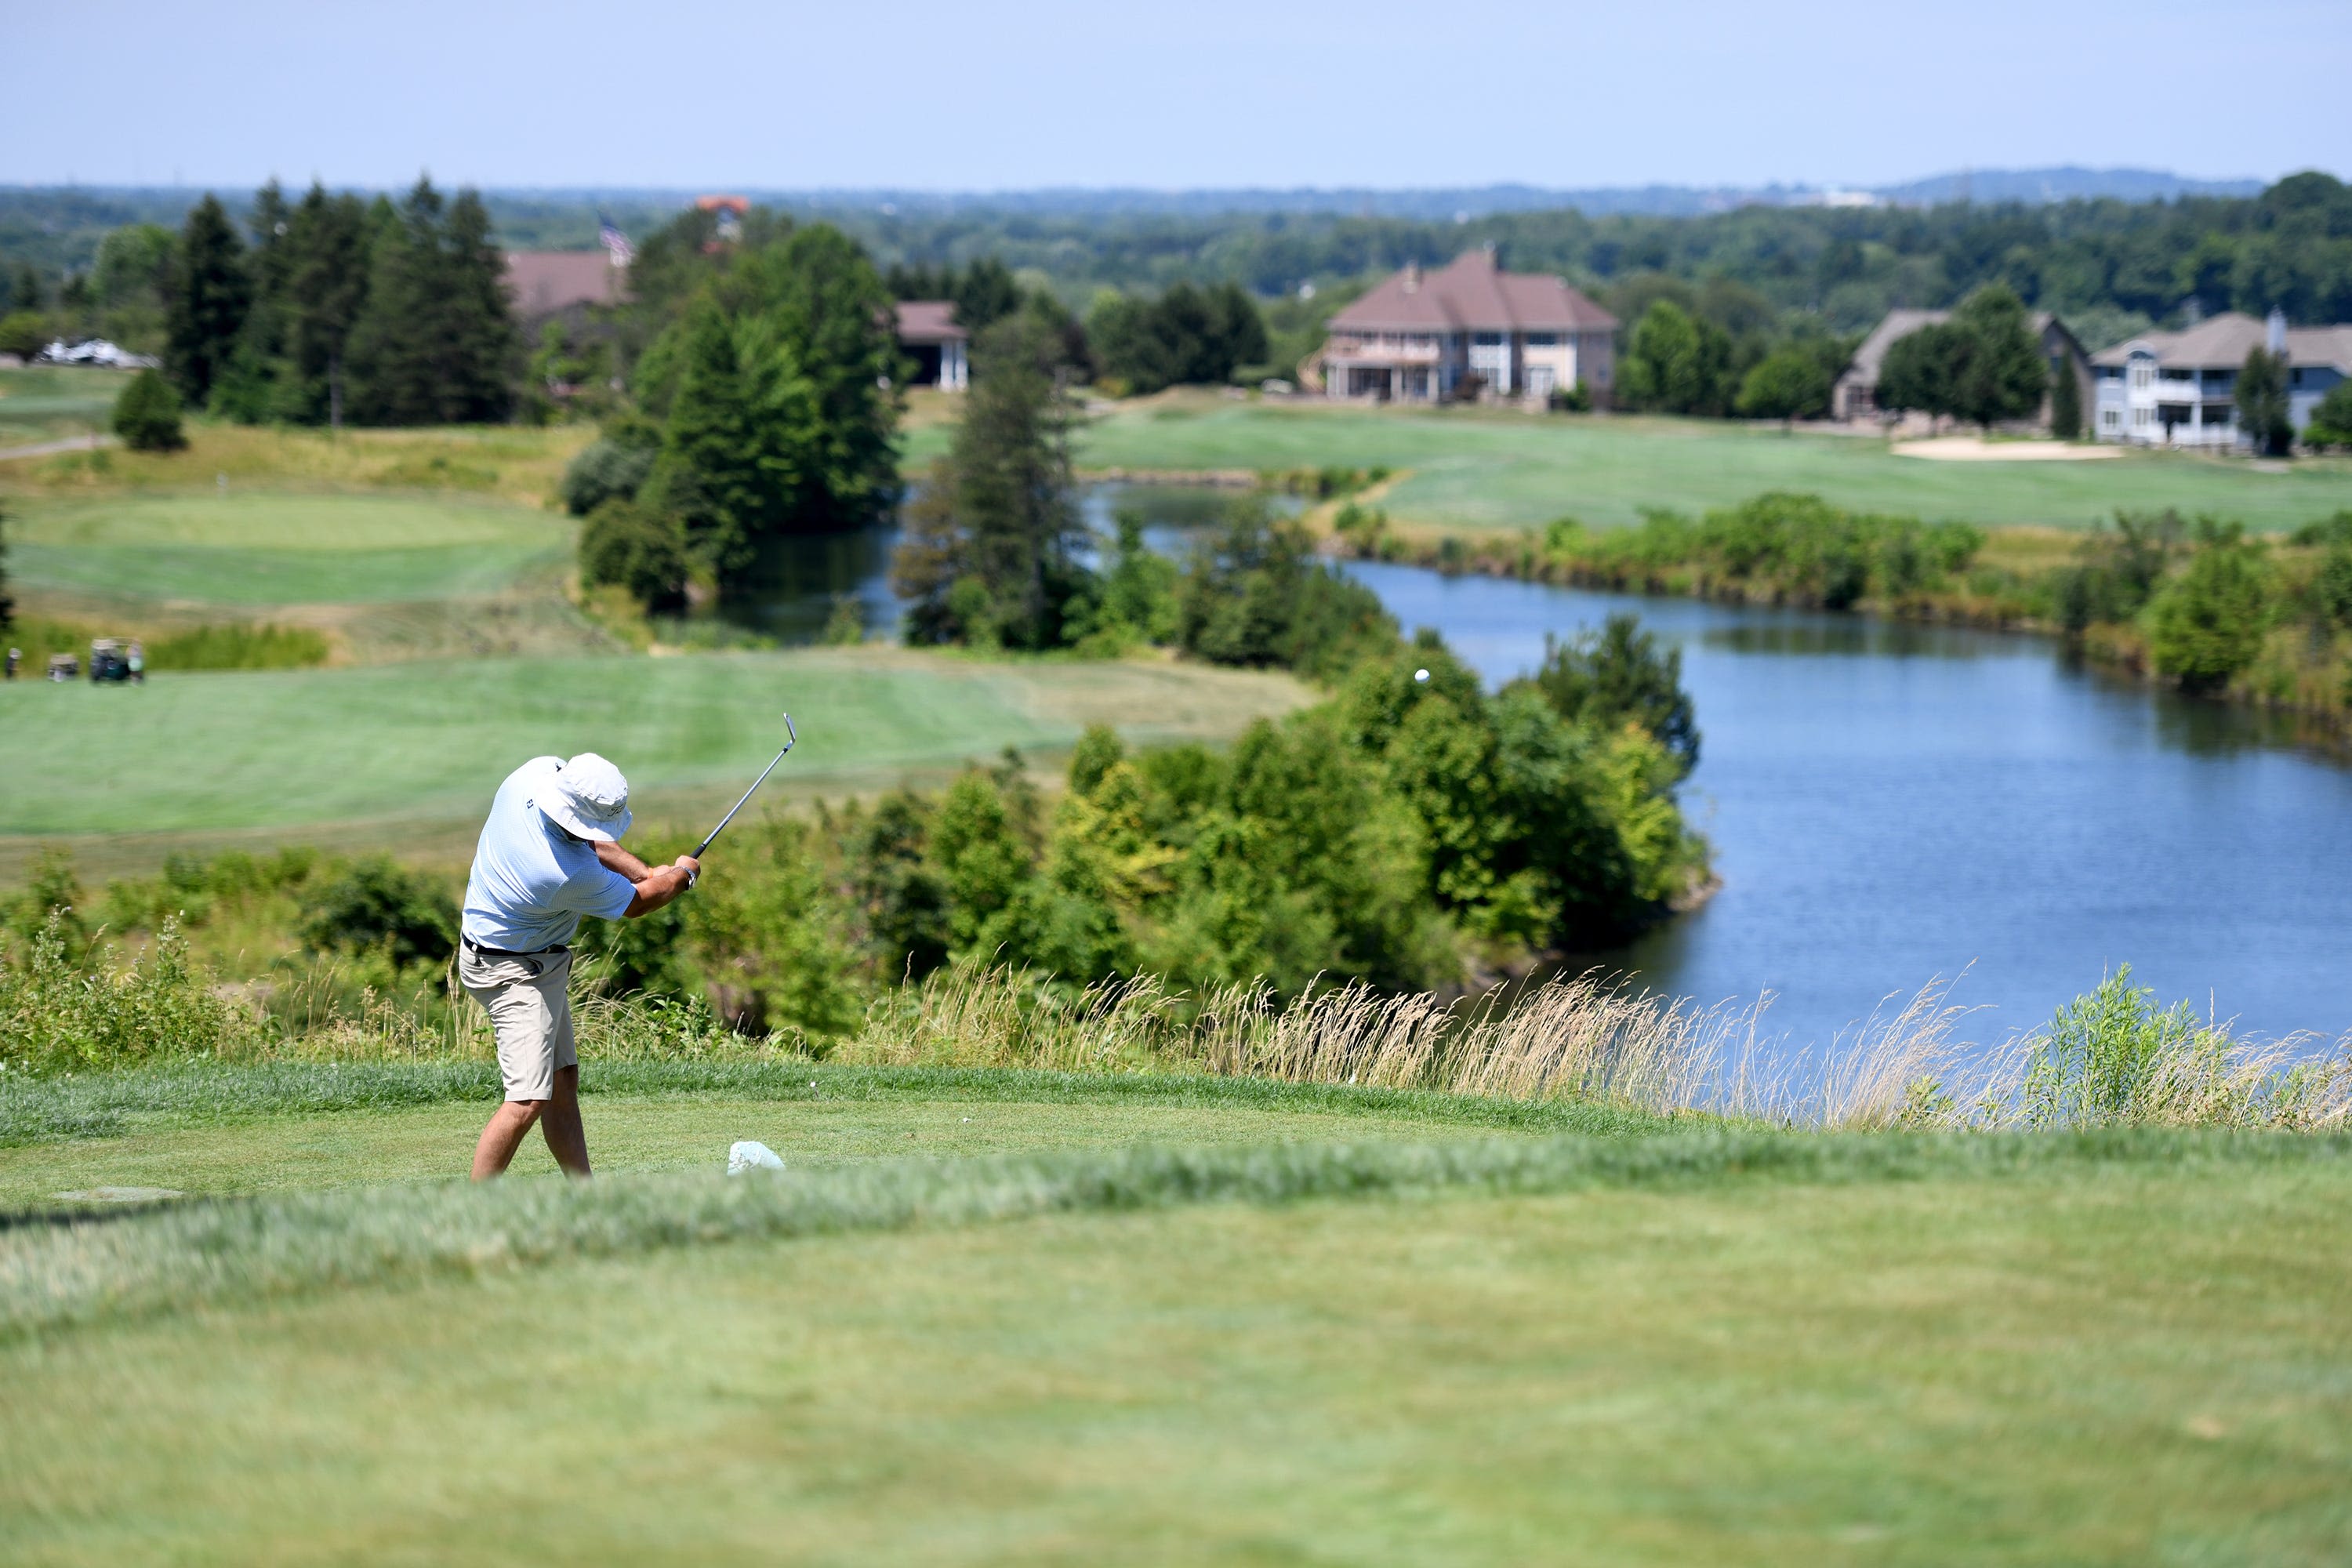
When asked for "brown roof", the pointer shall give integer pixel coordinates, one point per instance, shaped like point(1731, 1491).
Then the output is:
point(1898, 324)
point(928, 322)
point(1473, 295)
point(546, 281)
point(2222, 342)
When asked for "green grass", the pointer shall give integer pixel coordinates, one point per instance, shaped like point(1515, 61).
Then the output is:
point(45, 403)
point(1493, 468)
point(242, 549)
point(225, 1131)
point(431, 741)
point(1722, 1348)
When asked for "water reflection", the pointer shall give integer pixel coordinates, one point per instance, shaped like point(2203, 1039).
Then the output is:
point(794, 584)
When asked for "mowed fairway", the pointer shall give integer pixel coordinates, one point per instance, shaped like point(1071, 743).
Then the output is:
point(263, 549)
point(292, 1127)
point(2126, 1363)
point(1484, 468)
point(196, 752)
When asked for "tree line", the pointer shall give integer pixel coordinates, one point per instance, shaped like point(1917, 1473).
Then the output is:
point(323, 311)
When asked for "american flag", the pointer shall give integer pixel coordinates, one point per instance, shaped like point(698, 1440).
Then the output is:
point(616, 244)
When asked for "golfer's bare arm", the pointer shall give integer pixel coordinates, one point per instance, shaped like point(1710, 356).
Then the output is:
point(655, 885)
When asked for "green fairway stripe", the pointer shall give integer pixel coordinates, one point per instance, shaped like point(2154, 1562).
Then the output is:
point(99, 1106)
point(432, 740)
point(1498, 468)
point(56, 1275)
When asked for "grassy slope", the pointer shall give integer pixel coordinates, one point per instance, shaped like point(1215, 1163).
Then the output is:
point(252, 550)
point(1493, 468)
point(504, 462)
point(426, 741)
point(2083, 1364)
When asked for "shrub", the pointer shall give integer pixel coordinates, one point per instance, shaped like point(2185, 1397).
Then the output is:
point(60, 1012)
point(238, 648)
point(1256, 595)
point(637, 549)
point(2207, 624)
point(147, 414)
point(377, 907)
point(2331, 421)
point(605, 470)
point(23, 334)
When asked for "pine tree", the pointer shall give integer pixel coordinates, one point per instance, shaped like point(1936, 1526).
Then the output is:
point(742, 440)
point(392, 369)
point(251, 387)
point(992, 541)
point(211, 293)
point(326, 286)
point(436, 340)
point(480, 345)
point(830, 314)
point(2065, 402)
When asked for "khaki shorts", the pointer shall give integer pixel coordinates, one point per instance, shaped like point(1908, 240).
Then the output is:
point(529, 1004)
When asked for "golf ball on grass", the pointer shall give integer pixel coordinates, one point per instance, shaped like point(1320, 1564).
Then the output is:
point(1421, 675)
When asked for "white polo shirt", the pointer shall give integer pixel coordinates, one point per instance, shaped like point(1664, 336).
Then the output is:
point(532, 881)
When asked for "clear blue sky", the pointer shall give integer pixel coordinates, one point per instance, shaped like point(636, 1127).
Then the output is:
point(1007, 94)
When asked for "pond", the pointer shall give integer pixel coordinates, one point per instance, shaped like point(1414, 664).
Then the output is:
point(1888, 804)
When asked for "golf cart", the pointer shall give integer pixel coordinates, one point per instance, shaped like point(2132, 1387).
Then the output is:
point(108, 665)
point(64, 667)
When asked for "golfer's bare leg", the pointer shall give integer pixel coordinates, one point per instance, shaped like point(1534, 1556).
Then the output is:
point(504, 1135)
point(560, 1124)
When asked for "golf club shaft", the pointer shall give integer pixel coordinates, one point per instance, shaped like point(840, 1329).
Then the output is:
point(794, 740)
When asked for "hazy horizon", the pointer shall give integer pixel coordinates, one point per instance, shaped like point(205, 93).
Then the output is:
point(1049, 95)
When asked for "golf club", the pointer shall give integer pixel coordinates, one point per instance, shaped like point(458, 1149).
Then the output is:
point(791, 739)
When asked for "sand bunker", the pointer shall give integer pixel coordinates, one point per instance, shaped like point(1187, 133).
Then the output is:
point(1975, 450)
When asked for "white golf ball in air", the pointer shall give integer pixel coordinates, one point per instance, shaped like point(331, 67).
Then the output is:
point(1421, 675)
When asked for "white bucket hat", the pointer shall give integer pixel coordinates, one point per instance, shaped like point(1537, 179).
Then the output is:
point(586, 796)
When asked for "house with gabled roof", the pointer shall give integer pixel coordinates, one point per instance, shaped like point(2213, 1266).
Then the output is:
point(2180, 389)
point(1422, 337)
point(1854, 394)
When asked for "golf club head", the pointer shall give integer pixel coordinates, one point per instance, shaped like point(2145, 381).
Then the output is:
point(792, 736)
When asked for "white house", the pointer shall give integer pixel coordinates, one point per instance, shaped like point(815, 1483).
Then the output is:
point(2179, 389)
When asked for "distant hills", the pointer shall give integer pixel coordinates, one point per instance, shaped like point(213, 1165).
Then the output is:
point(2029, 185)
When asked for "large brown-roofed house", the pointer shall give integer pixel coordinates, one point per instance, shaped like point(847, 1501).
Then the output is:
point(1419, 337)
point(548, 283)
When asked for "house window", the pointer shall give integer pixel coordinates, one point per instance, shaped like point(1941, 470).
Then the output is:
point(1543, 340)
point(1486, 340)
point(2143, 375)
point(2111, 419)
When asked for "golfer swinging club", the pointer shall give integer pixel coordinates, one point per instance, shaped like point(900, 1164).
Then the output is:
point(548, 856)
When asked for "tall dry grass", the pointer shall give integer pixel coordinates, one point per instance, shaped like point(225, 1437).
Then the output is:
point(1591, 1038)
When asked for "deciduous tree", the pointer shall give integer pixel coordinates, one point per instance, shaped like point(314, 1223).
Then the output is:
point(1787, 384)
